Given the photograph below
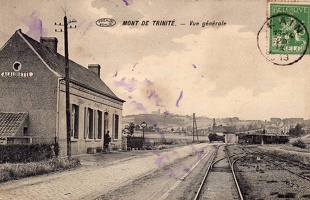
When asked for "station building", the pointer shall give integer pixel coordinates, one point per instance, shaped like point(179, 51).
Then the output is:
point(229, 135)
point(32, 98)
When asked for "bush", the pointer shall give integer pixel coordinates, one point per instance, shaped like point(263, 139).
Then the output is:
point(17, 153)
point(10, 171)
point(299, 143)
point(135, 142)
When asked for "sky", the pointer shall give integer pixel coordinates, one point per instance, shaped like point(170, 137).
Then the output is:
point(213, 71)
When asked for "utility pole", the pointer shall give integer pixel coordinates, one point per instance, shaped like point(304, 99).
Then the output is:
point(195, 128)
point(67, 80)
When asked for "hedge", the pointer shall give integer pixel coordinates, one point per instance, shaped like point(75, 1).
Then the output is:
point(135, 142)
point(21, 153)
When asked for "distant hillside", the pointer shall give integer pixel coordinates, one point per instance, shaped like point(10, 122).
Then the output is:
point(168, 120)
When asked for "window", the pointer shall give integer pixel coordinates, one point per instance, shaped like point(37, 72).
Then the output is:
point(106, 122)
point(91, 123)
point(17, 66)
point(88, 123)
point(116, 122)
point(75, 121)
point(99, 124)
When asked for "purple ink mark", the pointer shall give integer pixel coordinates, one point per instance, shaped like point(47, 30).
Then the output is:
point(89, 25)
point(133, 68)
point(160, 161)
point(202, 76)
point(116, 73)
point(215, 146)
point(180, 97)
point(156, 97)
point(148, 82)
point(34, 24)
point(193, 149)
point(129, 85)
point(139, 106)
point(171, 174)
point(128, 2)
point(166, 114)
point(185, 168)
point(194, 66)
point(200, 153)
point(129, 97)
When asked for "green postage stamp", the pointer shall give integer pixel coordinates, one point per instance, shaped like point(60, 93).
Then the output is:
point(288, 27)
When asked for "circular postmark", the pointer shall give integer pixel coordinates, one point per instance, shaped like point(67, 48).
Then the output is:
point(283, 39)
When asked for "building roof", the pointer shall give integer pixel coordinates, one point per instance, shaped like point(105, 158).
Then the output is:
point(78, 74)
point(11, 123)
point(219, 129)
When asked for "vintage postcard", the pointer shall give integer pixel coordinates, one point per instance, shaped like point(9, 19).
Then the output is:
point(155, 99)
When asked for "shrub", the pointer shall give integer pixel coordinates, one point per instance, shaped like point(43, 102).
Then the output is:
point(17, 153)
point(10, 171)
point(299, 143)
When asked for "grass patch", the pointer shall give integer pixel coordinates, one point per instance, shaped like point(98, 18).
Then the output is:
point(11, 171)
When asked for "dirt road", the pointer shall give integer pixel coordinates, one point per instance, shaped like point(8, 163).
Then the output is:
point(93, 181)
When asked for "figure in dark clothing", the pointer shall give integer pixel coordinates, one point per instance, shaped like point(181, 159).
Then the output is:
point(107, 140)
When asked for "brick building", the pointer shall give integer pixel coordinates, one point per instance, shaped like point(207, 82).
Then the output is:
point(32, 97)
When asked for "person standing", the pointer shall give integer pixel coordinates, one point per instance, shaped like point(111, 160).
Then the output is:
point(107, 140)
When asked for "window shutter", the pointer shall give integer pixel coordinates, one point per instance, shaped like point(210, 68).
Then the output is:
point(95, 124)
point(85, 123)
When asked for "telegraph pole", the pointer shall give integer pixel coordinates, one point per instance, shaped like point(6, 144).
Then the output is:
point(67, 80)
point(195, 128)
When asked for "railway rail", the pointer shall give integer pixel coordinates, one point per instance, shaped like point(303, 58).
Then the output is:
point(295, 168)
point(220, 163)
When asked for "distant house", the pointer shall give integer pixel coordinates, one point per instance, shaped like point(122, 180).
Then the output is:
point(219, 130)
point(32, 97)
point(228, 133)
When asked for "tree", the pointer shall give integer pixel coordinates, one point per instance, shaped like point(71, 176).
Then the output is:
point(297, 131)
point(131, 128)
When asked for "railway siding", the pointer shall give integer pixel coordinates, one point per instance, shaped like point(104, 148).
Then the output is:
point(265, 174)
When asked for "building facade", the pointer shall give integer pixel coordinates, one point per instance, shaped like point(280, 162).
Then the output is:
point(32, 83)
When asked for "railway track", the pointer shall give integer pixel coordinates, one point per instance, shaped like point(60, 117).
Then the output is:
point(284, 164)
point(220, 181)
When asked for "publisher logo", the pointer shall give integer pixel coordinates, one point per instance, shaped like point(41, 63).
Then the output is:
point(105, 22)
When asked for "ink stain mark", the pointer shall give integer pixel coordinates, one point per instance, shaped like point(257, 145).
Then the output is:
point(180, 97)
point(128, 2)
point(156, 97)
point(116, 73)
point(185, 168)
point(127, 84)
point(194, 66)
point(148, 82)
point(139, 106)
point(35, 26)
point(133, 68)
point(129, 97)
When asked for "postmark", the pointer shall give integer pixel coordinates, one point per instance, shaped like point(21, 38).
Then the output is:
point(284, 38)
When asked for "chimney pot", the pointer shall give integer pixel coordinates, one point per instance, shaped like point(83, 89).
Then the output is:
point(94, 68)
point(50, 42)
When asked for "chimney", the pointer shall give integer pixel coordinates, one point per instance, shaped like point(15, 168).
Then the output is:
point(50, 42)
point(94, 68)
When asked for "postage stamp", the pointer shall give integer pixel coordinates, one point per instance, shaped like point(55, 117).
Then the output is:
point(288, 28)
point(284, 37)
